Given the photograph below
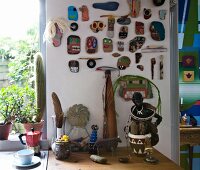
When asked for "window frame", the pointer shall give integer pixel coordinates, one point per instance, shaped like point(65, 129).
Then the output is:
point(13, 145)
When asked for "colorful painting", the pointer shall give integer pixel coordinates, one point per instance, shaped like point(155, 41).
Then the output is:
point(189, 65)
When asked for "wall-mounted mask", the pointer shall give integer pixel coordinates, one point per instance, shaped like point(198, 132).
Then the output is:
point(107, 45)
point(123, 33)
point(73, 66)
point(91, 45)
point(72, 13)
point(157, 31)
point(73, 44)
point(97, 26)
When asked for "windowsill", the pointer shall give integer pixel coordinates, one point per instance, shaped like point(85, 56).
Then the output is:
point(13, 144)
point(8, 159)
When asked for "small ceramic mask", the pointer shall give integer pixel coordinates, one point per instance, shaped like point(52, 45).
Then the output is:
point(147, 13)
point(73, 66)
point(107, 45)
point(123, 33)
point(73, 44)
point(162, 14)
point(91, 45)
point(97, 26)
point(120, 46)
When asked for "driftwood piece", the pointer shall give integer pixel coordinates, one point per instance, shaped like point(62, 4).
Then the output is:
point(58, 110)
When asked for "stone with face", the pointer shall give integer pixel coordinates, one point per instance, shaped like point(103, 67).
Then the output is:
point(120, 46)
point(123, 33)
point(73, 66)
point(107, 45)
point(123, 62)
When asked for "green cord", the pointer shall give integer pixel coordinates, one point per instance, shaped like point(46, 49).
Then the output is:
point(129, 77)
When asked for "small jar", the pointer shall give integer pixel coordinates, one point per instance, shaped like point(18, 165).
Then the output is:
point(62, 150)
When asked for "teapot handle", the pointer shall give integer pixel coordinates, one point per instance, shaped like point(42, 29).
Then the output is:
point(20, 138)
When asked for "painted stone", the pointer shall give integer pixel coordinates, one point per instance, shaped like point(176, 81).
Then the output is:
point(138, 57)
point(120, 46)
point(139, 28)
point(85, 13)
point(134, 6)
point(136, 43)
point(72, 13)
point(73, 44)
point(158, 2)
point(157, 31)
point(74, 26)
point(91, 45)
point(111, 23)
point(123, 33)
point(162, 14)
point(124, 20)
point(107, 45)
point(147, 13)
point(108, 6)
point(123, 62)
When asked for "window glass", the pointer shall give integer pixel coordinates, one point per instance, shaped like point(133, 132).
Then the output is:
point(20, 34)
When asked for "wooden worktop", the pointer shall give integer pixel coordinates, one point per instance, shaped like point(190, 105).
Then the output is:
point(189, 135)
point(81, 161)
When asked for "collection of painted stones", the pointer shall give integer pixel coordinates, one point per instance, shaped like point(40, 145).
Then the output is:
point(156, 28)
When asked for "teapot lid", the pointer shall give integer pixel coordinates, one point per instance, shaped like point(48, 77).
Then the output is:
point(33, 132)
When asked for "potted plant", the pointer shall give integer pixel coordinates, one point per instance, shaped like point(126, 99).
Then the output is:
point(9, 106)
point(37, 110)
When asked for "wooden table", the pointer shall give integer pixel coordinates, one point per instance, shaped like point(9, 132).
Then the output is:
point(81, 161)
point(190, 136)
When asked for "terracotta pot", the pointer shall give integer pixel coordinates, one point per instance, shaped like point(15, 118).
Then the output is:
point(5, 130)
point(37, 126)
point(137, 143)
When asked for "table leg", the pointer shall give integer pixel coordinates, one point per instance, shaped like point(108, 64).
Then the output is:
point(190, 156)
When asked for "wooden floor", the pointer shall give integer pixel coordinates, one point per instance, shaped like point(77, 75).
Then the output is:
point(81, 161)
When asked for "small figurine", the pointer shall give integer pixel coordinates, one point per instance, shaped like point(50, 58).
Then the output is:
point(93, 139)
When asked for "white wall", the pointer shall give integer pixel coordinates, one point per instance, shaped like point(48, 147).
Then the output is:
point(86, 86)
